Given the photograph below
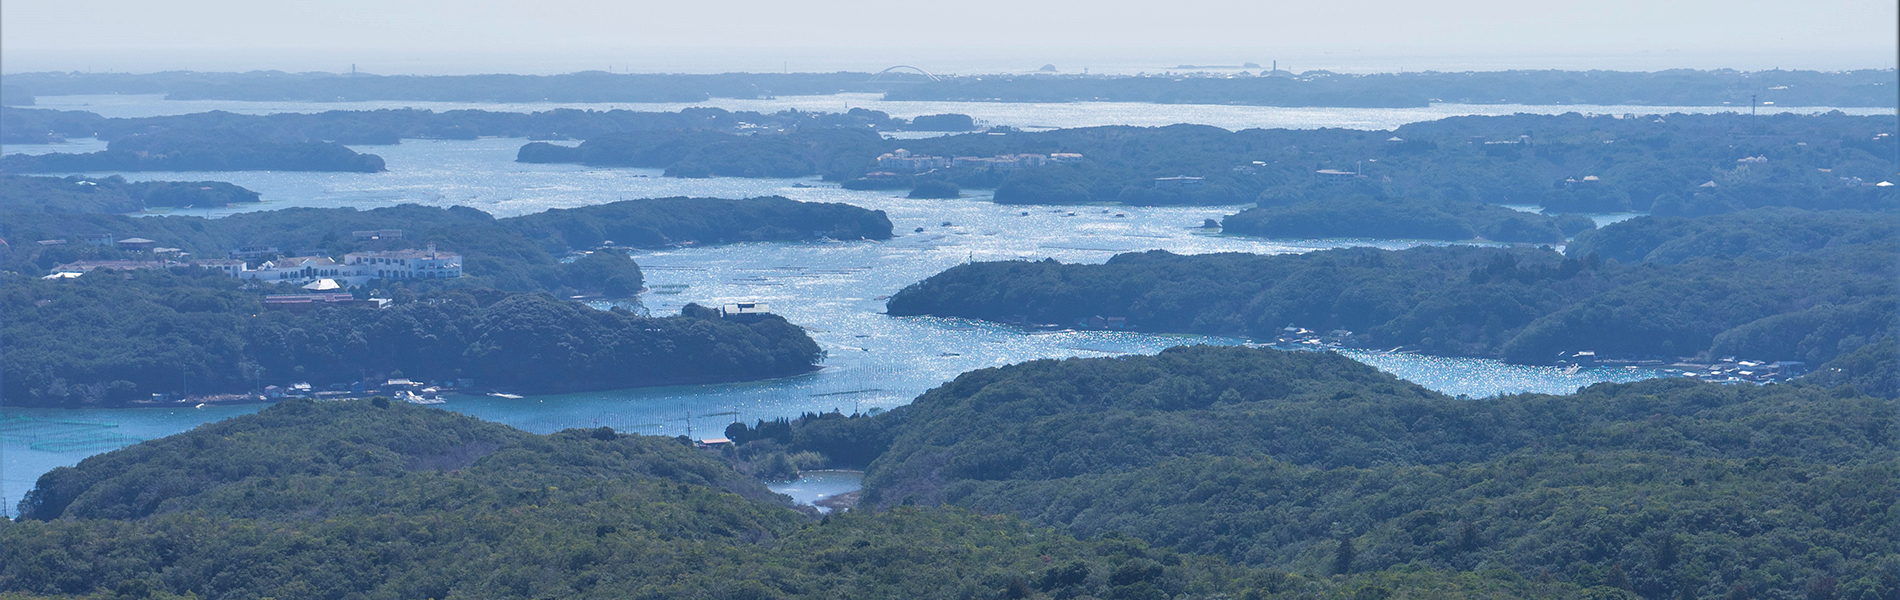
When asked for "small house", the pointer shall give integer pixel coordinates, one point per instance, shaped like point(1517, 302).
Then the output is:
point(137, 244)
point(1178, 182)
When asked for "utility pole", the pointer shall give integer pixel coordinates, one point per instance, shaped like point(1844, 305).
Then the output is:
point(1751, 105)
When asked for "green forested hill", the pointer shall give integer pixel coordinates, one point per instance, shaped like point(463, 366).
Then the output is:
point(373, 500)
point(109, 340)
point(1394, 219)
point(516, 253)
point(1670, 488)
point(1772, 285)
point(26, 194)
point(1567, 163)
point(1199, 473)
point(1763, 234)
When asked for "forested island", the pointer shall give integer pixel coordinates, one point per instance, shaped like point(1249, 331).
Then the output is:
point(174, 328)
point(99, 340)
point(199, 150)
point(1209, 472)
point(515, 253)
point(1192, 85)
point(1782, 285)
point(1397, 219)
point(708, 153)
point(1317, 464)
point(391, 126)
point(25, 194)
point(1670, 164)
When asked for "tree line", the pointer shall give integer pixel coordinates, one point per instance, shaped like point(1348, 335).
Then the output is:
point(523, 253)
point(104, 340)
point(113, 194)
point(379, 499)
point(1317, 464)
point(1781, 286)
point(1671, 164)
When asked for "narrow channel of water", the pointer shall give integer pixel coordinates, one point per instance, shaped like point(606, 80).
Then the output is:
point(836, 290)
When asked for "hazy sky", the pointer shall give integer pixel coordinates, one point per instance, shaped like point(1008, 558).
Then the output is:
point(440, 36)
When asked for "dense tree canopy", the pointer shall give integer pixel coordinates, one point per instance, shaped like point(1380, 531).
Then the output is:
point(1765, 293)
point(372, 499)
point(199, 150)
point(1665, 487)
point(391, 126)
point(24, 194)
point(1394, 219)
point(515, 253)
point(101, 339)
point(1565, 163)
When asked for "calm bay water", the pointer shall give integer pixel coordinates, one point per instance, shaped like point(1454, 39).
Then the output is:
point(836, 290)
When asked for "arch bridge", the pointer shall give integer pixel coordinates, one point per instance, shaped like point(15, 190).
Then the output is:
point(926, 74)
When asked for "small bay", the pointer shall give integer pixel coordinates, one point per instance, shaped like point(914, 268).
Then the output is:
point(836, 290)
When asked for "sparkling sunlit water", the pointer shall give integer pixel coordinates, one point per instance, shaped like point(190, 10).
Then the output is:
point(813, 486)
point(836, 290)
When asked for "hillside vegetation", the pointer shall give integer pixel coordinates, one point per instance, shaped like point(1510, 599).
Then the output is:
point(1790, 285)
point(371, 499)
point(21, 194)
point(110, 340)
point(1668, 488)
point(514, 253)
point(1567, 163)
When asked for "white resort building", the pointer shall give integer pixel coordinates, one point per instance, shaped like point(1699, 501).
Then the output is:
point(356, 268)
point(403, 264)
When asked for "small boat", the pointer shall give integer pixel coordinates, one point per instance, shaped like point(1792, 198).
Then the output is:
point(508, 396)
point(919, 230)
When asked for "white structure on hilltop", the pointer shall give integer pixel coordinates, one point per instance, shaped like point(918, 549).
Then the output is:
point(295, 269)
point(402, 264)
point(357, 268)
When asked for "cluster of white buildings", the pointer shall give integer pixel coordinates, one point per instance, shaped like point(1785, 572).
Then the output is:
point(355, 268)
point(904, 161)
